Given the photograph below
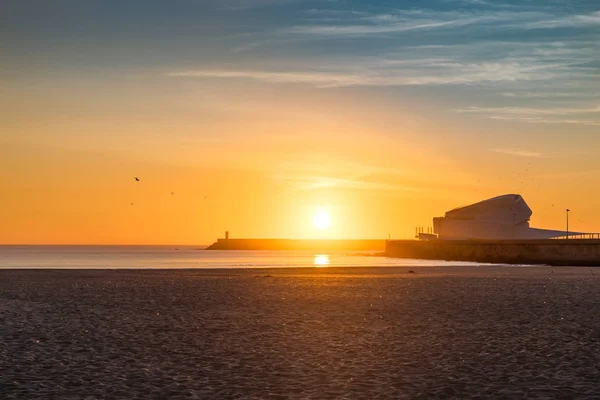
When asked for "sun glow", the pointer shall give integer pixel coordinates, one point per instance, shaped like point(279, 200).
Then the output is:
point(321, 260)
point(322, 219)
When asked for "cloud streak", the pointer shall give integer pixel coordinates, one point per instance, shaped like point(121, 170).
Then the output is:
point(547, 95)
point(360, 23)
point(539, 120)
point(386, 72)
point(538, 115)
point(531, 111)
point(322, 182)
point(518, 152)
point(571, 21)
point(543, 58)
point(352, 30)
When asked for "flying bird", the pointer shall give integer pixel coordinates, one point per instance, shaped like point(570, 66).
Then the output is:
point(137, 179)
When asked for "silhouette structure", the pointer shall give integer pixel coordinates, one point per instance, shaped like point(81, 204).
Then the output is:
point(499, 218)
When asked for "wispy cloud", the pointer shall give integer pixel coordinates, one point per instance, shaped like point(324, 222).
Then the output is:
point(540, 120)
point(337, 13)
point(493, 17)
point(411, 20)
point(531, 111)
point(324, 171)
point(506, 50)
point(321, 79)
point(322, 182)
point(379, 28)
point(547, 95)
point(538, 115)
point(252, 45)
point(563, 62)
point(518, 152)
point(332, 166)
point(501, 17)
point(571, 21)
point(386, 72)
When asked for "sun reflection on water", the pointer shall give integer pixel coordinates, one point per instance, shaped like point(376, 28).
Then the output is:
point(321, 260)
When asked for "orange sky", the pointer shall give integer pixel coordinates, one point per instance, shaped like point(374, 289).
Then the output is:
point(257, 152)
point(261, 170)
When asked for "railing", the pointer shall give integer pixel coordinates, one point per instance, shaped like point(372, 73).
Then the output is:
point(580, 236)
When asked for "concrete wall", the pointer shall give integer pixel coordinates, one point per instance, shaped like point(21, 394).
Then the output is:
point(451, 229)
point(551, 252)
point(298, 244)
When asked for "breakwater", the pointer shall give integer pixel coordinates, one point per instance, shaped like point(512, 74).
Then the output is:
point(299, 244)
point(584, 252)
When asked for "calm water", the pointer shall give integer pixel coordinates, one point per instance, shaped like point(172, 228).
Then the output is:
point(93, 257)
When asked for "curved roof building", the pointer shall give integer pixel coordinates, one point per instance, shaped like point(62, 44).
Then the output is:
point(499, 218)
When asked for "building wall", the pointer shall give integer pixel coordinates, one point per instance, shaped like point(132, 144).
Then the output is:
point(471, 229)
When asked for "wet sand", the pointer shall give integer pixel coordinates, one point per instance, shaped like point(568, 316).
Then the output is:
point(382, 333)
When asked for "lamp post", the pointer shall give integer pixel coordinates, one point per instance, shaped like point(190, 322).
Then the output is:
point(568, 223)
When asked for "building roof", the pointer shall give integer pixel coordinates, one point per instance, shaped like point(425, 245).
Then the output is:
point(506, 209)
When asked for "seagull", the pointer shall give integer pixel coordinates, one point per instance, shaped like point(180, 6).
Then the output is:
point(137, 179)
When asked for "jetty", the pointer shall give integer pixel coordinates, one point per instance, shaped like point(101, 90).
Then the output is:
point(299, 244)
point(573, 252)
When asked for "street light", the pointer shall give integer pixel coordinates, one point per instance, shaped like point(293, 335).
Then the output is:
point(568, 223)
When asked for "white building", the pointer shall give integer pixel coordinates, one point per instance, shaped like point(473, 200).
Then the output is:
point(500, 218)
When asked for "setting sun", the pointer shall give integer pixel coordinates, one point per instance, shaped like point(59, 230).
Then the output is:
point(322, 220)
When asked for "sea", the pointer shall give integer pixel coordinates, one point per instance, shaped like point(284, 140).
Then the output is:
point(183, 257)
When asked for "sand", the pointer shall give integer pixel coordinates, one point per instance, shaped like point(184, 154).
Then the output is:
point(304, 333)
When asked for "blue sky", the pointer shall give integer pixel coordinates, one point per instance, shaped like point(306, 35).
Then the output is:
point(528, 61)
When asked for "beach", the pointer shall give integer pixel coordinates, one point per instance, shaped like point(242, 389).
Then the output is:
point(320, 333)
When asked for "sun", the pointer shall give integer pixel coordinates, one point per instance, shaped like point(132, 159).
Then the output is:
point(322, 220)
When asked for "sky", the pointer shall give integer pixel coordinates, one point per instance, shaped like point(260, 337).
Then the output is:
point(252, 115)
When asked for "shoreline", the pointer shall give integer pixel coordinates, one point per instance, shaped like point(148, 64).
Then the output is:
point(492, 270)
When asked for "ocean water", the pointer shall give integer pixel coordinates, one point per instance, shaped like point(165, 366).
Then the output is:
point(136, 257)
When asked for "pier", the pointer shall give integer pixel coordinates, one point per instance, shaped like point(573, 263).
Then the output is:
point(573, 252)
point(299, 244)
